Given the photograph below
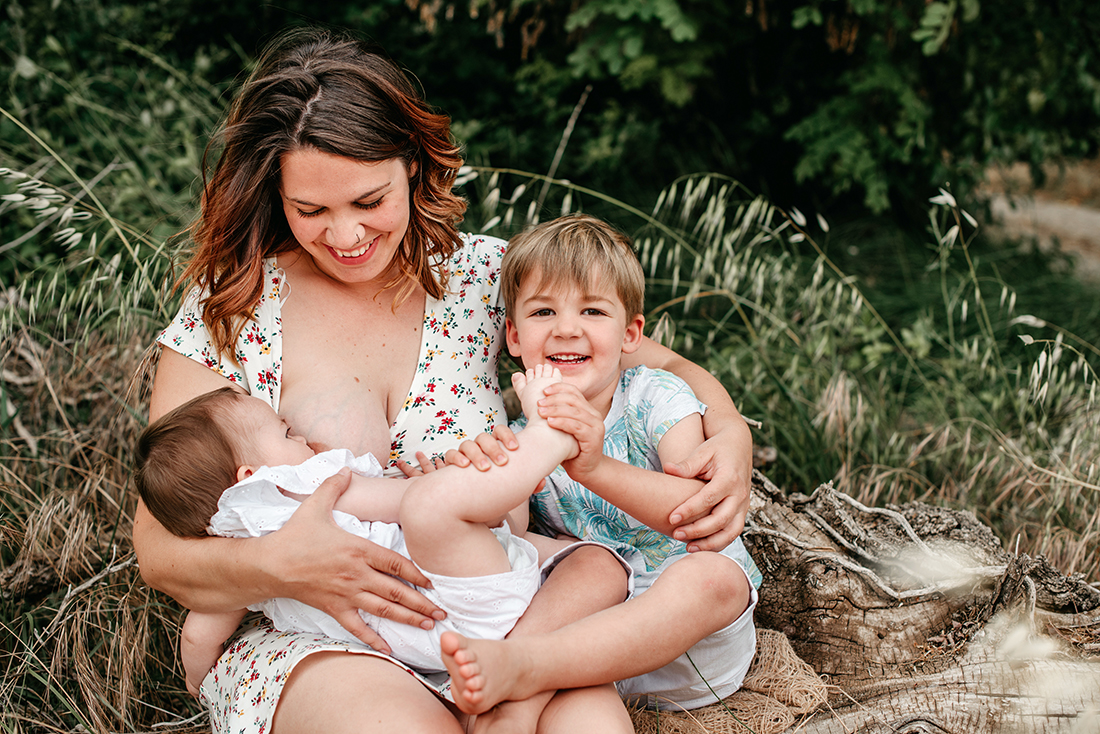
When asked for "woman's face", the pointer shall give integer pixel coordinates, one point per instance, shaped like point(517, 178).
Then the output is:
point(350, 216)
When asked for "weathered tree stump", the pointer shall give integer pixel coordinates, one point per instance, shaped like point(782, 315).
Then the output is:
point(920, 621)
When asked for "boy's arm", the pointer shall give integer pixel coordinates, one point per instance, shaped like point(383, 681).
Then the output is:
point(202, 642)
point(714, 516)
point(371, 499)
point(646, 495)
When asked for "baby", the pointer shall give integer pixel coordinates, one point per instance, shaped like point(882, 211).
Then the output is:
point(452, 522)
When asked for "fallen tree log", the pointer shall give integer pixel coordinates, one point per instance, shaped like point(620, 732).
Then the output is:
point(920, 621)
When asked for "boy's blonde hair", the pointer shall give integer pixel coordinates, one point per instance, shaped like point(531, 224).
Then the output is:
point(574, 250)
point(187, 458)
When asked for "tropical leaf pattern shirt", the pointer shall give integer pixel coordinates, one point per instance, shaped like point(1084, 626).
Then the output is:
point(646, 404)
point(454, 393)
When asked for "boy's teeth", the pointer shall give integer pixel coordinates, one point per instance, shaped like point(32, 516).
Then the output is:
point(571, 358)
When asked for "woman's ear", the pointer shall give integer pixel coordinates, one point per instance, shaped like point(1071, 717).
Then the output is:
point(632, 339)
point(244, 472)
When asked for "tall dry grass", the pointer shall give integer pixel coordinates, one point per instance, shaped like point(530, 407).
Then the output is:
point(951, 405)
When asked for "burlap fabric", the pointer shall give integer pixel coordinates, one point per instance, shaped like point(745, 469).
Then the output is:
point(779, 687)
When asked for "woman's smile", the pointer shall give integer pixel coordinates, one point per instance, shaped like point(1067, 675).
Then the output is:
point(350, 216)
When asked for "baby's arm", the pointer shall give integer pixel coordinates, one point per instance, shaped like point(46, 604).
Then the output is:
point(203, 641)
point(371, 499)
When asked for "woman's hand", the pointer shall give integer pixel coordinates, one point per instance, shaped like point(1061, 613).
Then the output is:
point(715, 516)
point(485, 450)
point(313, 560)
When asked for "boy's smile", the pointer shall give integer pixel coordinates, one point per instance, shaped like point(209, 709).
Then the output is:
point(582, 334)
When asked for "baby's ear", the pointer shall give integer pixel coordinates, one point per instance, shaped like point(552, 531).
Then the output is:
point(632, 339)
point(245, 471)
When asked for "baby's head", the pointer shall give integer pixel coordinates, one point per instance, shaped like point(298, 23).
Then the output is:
point(188, 457)
point(574, 291)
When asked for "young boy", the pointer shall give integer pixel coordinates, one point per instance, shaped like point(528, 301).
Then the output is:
point(573, 291)
point(483, 576)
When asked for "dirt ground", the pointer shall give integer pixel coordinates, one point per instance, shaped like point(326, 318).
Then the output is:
point(1063, 213)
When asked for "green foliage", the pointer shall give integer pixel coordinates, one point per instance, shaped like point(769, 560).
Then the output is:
point(868, 104)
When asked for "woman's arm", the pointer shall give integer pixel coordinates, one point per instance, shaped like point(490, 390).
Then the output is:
point(310, 559)
point(714, 516)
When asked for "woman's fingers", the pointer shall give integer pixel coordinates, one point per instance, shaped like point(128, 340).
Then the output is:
point(485, 450)
point(715, 515)
point(353, 623)
point(338, 572)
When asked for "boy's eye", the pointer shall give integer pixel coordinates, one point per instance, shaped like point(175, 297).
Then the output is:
point(543, 312)
point(592, 312)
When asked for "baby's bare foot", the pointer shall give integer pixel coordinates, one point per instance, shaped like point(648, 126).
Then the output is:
point(531, 386)
point(483, 672)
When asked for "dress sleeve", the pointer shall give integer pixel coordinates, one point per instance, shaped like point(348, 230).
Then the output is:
point(258, 351)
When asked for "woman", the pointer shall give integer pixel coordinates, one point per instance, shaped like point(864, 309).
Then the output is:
point(329, 279)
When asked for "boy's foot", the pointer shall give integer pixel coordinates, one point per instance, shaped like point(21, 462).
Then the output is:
point(483, 672)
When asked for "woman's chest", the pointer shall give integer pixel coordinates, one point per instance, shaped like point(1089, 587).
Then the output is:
point(347, 370)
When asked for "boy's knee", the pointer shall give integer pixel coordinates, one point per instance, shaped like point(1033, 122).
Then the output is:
point(719, 581)
point(601, 569)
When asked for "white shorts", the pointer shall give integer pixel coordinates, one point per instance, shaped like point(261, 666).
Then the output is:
point(711, 670)
point(484, 607)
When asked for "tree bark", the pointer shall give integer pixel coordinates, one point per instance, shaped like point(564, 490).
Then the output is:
point(921, 621)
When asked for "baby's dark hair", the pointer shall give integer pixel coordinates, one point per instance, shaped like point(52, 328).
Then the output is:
point(186, 459)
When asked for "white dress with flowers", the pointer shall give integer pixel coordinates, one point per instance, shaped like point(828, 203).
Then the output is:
point(454, 394)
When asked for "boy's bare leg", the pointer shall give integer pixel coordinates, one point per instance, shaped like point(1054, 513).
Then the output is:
point(444, 514)
point(695, 597)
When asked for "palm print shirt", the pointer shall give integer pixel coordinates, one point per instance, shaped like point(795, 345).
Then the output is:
point(646, 404)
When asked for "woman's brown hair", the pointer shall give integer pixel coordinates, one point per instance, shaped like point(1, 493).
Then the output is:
point(329, 91)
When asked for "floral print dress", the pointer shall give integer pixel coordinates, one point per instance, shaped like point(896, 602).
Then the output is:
point(454, 394)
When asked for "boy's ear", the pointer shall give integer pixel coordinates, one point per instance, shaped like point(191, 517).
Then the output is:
point(245, 471)
point(512, 337)
point(633, 337)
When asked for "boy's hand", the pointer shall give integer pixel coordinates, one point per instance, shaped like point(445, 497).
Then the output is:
point(565, 408)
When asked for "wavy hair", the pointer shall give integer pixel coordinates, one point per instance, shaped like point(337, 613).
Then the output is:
point(329, 91)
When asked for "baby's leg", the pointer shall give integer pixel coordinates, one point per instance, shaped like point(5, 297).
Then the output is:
point(202, 642)
point(445, 514)
point(695, 597)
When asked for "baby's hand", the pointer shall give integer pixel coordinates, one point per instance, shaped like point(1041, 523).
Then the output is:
point(531, 386)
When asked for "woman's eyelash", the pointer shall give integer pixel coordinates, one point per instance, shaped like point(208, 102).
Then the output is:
point(366, 207)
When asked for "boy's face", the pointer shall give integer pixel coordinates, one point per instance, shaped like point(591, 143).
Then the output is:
point(267, 439)
point(582, 334)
